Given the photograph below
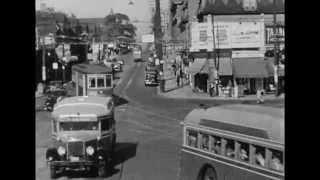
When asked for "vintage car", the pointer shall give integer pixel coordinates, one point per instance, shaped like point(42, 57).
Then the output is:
point(83, 134)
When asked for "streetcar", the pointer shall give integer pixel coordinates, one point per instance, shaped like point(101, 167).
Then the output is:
point(83, 135)
point(228, 143)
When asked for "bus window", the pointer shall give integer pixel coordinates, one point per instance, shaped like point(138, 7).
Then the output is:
point(276, 160)
point(106, 123)
point(204, 141)
point(192, 138)
point(230, 148)
point(216, 144)
point(260, 155)
point(244, 152)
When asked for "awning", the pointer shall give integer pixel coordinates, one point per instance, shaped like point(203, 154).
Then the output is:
point(249, 68)
point(196, 67)
point(270, 68)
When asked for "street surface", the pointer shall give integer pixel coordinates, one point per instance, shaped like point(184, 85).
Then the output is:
point(148, 131)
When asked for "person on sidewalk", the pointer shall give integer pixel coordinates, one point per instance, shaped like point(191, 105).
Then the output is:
point(260, 96)
point(211, 89)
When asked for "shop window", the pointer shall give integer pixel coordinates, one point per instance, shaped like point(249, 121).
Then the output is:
point(100, 82)
point(216, 144)
point(276, 162)
point(108, 80)
point(204, 141)
point(192, 138)
point(230, 148)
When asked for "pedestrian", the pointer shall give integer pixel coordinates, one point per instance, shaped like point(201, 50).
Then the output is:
point(178, 80)
point(211, 89)
point(260, 99)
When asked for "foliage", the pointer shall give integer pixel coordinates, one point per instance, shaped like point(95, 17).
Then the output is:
point(117, 24)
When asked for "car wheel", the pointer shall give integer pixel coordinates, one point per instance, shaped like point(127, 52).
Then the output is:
point(53, 172)
point(102, 171)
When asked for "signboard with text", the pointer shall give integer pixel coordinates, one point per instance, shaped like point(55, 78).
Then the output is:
point(201, 36)
point(270, 38)
point(222, 34)
point(247, 35)
point(149, 38)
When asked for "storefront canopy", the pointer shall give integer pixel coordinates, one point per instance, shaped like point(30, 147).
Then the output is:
point(249, 68)
point(197, 66)
point(225, 67)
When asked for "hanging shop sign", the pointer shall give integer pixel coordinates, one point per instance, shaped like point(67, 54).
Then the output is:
point(271, 38)
point(201, 37)
point(247, 34)
point(247, 54)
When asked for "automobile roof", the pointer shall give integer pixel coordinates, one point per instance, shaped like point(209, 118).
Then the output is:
point(266, 123)
point(83, 106)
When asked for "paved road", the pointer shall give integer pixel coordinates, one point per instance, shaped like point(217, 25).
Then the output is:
point(149, 134)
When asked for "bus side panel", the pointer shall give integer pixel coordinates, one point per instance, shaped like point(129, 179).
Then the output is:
point(192, 164)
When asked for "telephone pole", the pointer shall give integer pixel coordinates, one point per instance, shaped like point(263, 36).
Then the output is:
point(157, 33)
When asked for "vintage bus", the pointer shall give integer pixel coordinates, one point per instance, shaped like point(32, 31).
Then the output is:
point(231, 144)
point(83, 135)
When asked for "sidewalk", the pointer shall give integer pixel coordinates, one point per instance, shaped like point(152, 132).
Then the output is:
point(186, 93)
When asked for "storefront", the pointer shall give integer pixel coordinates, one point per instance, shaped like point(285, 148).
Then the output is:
point(249, 74)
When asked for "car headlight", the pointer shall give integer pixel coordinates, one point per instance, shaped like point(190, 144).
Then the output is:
point(90, 150)
point(61, 150)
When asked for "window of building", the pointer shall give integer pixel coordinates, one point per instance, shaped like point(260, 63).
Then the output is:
point(230, 148)
point(204, 144)
point(216, 144)
point(192, 138)
point(276, 162)
point(54, 125)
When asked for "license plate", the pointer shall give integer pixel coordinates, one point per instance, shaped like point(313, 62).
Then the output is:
point(73, 158)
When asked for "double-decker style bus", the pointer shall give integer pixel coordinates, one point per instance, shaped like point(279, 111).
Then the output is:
point(232, 144)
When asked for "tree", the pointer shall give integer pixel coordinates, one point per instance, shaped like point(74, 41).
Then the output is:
point(117, 24)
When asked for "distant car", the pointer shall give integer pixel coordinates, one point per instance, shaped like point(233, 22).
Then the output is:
point(137, 55)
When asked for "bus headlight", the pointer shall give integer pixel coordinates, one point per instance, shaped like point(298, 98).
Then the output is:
point(90, 150)
point(61, 150)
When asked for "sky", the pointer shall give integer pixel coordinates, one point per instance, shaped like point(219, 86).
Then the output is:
point(100, 8)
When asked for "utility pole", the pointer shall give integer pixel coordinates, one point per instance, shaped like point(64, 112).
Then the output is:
point(43, 61)
point(157, 33)
point(213, 65)
point(275, 50)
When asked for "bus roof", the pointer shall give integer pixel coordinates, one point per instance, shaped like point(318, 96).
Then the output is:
point(83, 106)
point(259, 122)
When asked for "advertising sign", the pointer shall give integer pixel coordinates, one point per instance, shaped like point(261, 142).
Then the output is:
point(247, 35)
point(149, 38)
point(247, 54)
point(222, 34)
point(271, 38)
point(201, 36)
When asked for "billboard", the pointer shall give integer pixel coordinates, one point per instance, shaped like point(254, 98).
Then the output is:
point(201, 36)
point(247, 34)
point(149, 38)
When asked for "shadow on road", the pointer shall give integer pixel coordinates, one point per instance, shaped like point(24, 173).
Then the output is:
point(118, 101)
point(123, 152)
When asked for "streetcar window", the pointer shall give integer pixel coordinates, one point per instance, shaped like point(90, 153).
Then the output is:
point(100, 82)
point(92, 82)
point(244, 152)
point(108, 80)
point(230, 148)
point(216, 144)
point(192, 138)
point(204, 141)
point(106, 123)
point(276, 160)
point(260, 156)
